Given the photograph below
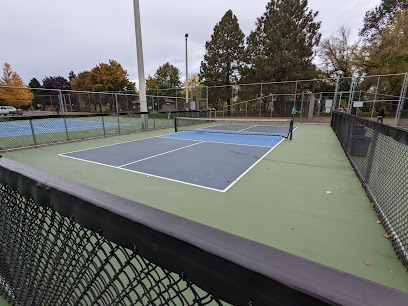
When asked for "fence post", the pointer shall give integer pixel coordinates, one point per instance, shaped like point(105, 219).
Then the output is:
point(335, 95)
point(66, 128)
point(271, 105)
point(61, 103)
point(401, 99)
point(103, 126)
point(206, 98)
point(32, 131)
point(232, 101)
point(352, 88)
point(375, 96)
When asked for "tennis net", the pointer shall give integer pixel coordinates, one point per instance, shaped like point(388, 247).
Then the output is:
point(262, 127)
point(63, 243)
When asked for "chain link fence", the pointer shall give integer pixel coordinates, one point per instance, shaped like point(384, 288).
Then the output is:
point(379, 155)
point(363, 96)
point(19, 132)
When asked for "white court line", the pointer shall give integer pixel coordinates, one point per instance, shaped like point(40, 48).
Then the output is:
point(169, 179)
point(114, 144)
point(144, 173)
point(253, 165)
point(134, 162)
point(248, 128)
point(178, 181)
point(237, 144)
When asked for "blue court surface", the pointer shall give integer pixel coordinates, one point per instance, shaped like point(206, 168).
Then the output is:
point(17, 128)
point(213, 161)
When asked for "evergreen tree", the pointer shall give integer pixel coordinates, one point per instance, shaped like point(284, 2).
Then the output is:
point(167, 76)
point(223, 59)
point(71, 75)
point(381, 16)
point(34, 83)
point(281, 47)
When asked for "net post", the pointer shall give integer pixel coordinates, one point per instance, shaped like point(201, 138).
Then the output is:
point(290, 129)
point(175, 124)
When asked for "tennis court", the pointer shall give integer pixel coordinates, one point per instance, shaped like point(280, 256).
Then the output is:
point(225, 153)
point(301, 197)
point(17, 128)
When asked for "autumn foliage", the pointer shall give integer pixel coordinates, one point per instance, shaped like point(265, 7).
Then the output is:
point(14, 96)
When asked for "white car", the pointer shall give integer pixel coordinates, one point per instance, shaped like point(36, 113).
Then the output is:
point(10, 110)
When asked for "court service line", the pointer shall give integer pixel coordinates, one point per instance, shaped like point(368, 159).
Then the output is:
point(134, 162)
point(144, 173)
point(253, 165)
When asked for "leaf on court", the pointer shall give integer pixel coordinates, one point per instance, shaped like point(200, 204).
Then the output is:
point(142, 196)
point(379, 221)
point(328, 192)
point(390, 270)
point(388, 236)
point(361, 184)
point(368, 264)
point(293, 228)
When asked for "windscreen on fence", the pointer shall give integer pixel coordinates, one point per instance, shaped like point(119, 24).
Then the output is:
point(64, 243)
point(379, 155)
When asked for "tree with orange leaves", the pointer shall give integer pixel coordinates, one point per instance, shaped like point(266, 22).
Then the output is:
point(16, 97)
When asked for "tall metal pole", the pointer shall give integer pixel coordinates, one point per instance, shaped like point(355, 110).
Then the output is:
point(140, 65)
point(186, 71)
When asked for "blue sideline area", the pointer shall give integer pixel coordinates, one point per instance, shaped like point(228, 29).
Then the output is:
point(17, 128)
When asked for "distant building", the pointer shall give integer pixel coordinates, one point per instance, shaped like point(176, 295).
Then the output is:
point(168, 105)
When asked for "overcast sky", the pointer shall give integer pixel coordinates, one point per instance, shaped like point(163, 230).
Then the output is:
point(52, 37)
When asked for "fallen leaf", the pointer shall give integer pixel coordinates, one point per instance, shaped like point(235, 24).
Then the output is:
point(293, 228)
point(390, 270)
point(361, 184)
point(379, 221)
point(142, 196)
point(388, 236)
point(328, 192)
point(368, 264)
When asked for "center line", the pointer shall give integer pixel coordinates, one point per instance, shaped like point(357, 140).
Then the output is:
point(160, 154)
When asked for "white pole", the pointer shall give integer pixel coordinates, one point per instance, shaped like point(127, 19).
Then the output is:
point(140, 65)
point(186, 71)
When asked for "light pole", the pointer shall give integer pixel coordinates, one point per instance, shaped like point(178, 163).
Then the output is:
point(186, 72)
point(140, 65)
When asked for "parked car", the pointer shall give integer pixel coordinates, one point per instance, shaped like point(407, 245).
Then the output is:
point(10, 110)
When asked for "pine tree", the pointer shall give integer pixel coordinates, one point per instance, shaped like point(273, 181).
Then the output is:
point(224, 57)
point(34, 83)
point(281, 47)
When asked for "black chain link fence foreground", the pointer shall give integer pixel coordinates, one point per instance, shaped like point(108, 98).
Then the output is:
point(63, 243)
point(379, 155)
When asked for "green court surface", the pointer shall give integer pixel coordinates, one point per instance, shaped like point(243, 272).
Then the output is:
point(281, 202)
